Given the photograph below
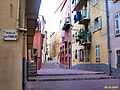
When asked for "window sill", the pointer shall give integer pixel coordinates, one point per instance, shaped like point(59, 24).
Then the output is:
point(117, 35)
point(98, 61)
point(95, 4)
point(97, 30)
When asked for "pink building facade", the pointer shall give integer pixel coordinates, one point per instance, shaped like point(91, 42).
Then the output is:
point(65, 40)
point(38, 39)
point(38, 44)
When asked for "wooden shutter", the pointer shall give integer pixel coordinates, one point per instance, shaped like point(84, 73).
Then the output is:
point(93, 26)
point(79, 55)
point(99, 22)
point(117, 24)
point(97, 53)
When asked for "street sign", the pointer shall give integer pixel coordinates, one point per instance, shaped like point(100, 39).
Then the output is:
point(10, 35)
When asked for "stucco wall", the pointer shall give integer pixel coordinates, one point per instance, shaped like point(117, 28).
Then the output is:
point(11, 64)
point(114, 41)
point(10, 51)
point(99, 37)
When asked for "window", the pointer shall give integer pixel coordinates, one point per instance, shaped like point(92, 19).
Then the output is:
point(97, 53)
point(76, 54)
point(95, 2)
point(73, 55)
point(79, 55)
point(96, 24)
point(118, 57)
point(73, 38)
point(117, 24)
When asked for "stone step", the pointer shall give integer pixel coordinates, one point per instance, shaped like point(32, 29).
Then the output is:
point(71, 77)
point(62, 72)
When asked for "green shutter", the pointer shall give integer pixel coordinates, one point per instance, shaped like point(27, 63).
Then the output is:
point(99, 22)
point(93, 27)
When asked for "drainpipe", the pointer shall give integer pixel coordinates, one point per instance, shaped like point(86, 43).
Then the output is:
point(18, 13)
point(24, 77)
point(70, 61)
point(108, 38)
point(23, 31)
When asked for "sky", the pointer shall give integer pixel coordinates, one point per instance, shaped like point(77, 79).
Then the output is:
point(47, 9)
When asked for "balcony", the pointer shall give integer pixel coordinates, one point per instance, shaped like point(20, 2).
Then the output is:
point(64, 40)
point(84, 37)
point(66, 24)
point(84, 20)
point(82, 17)
point(79, 5)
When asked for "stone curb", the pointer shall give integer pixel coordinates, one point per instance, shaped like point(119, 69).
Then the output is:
point(68, 79)
point(70, 74)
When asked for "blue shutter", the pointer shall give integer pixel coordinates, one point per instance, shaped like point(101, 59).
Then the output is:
point(93, 27)
point(99, 22)
point(95, 2)
point(78, 54)
point(97, 52)
point(117, 24)
point(118, 57)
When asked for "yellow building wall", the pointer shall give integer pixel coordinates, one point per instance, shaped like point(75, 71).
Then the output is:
point(6, 21)
point(11, 52)
point(57, 44)
point(99, 37)
point(10, 64)
point(55, 41)
point(75, 46)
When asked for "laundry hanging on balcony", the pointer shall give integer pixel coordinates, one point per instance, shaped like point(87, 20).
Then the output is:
point(77, 16)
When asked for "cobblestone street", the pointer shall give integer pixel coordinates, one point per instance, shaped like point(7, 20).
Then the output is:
point(52, 77)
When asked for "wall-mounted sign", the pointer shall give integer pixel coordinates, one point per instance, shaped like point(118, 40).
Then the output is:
point(10, 35)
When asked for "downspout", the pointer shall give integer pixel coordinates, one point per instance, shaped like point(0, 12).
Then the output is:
point(23, 31)
point(108, 37)
point(70, 62)
point(18, 14)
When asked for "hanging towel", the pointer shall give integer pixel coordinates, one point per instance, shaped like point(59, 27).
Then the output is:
point(73, 1)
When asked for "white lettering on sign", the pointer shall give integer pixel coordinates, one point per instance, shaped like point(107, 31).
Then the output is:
point(10, 35)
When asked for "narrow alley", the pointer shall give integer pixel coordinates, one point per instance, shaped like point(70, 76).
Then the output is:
point(52, 77)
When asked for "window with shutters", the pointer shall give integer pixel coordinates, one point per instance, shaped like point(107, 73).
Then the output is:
point(117, 24)
point(73, 55)
point(97, 24)
point(97, 53)
point(79, 55)
point(73, 39)
point(118, 57)
point(76, 54)
point(82, 54)
point(95, 2)
point(75, 36)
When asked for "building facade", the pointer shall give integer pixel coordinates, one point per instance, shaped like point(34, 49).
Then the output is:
point(38, 42)
point(45, 49)
point(15, 19)
point(54, 46)
point(90, 23)
point(114, 34)
point(65, 37)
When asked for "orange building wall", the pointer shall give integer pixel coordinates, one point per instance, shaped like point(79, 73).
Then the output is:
point(37, 43)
